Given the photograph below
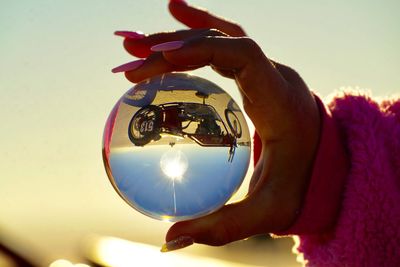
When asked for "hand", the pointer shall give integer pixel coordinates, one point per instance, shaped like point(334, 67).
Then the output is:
point(278, 102)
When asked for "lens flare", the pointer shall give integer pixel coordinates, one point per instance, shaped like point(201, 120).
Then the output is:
point(174, 164)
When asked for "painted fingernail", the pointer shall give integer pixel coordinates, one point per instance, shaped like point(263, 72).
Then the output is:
point(128, 66)
point(130, 35)
point(168, 46)
point(178, 243)
point(178, 2)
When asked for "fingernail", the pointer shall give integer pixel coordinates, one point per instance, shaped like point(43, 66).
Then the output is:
point(168, 46)
point(178, 2)
point(130, 35)
point(128, 66)
point(178, 243)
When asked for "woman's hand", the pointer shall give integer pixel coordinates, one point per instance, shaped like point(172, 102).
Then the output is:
point(276, 99)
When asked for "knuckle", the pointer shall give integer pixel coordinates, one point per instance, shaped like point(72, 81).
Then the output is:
point(250, 46)
point(286, 70)
point(291, 76)
point(132, 77)
point(214, 32)
point(237, 29)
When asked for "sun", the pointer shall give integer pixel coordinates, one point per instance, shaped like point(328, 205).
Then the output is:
point(174, 164)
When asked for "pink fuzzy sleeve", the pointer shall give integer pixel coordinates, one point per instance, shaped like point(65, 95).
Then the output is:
point(366, 230)
point(351, 214)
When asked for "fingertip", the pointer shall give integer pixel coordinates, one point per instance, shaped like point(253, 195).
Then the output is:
point(167, 46)
point(179, 2)
point(132, 77)
point(186, 14)
point(136, 48)
point(196, 18)
point(174, 5)
point(137, 35)
point(178, 243)
point(130, 66)
point(179, 229)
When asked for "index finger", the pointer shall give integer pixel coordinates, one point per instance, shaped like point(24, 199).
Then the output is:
point(195, 18)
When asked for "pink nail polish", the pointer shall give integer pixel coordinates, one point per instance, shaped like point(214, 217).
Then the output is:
point(178, 2)
point(128, 66)
point(168, 46)
point(178, 243)
point(130, 35)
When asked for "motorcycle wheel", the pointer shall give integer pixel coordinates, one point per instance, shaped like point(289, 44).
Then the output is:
point(145, 125)
point(233, 123)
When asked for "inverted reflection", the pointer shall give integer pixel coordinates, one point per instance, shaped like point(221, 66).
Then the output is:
point(176, 147)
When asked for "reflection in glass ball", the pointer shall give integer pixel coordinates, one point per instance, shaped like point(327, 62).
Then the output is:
point(176, 147)
point(174, 163)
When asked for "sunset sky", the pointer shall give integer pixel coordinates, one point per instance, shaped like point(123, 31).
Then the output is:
point(57, 91)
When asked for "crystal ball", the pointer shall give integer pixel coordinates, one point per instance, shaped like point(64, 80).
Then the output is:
point(176, 147)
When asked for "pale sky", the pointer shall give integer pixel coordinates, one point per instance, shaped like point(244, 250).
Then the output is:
point(57, 90)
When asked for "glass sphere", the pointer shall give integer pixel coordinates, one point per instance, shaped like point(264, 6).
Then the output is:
point(176, 147)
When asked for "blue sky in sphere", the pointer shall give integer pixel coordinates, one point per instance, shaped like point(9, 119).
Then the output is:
point(208, 182)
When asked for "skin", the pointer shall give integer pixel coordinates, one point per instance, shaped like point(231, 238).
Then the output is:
point(276, 99)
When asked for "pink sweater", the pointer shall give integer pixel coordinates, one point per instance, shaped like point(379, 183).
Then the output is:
point(351, 212)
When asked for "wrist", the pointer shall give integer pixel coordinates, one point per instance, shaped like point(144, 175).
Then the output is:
point(321, 203)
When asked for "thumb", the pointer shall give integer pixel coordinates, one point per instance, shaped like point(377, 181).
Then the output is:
point(232, 222)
